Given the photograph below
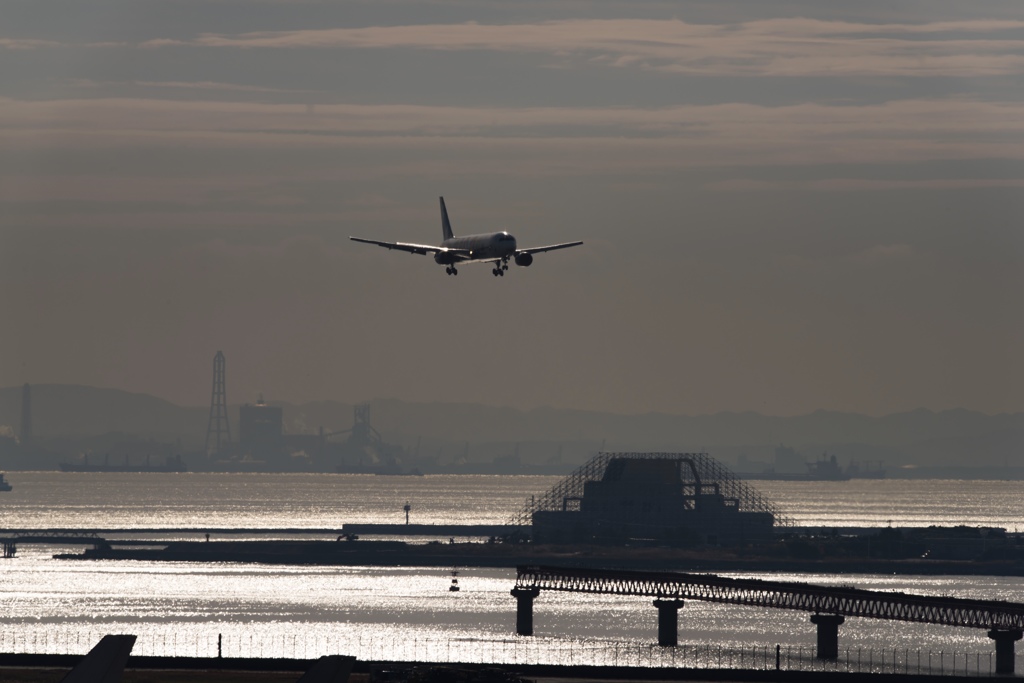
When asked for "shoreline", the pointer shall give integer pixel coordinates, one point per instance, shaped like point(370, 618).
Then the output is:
point(493, 555)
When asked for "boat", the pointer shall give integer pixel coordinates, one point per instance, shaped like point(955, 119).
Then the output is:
point(825, 469)
point(173, 463)
point(454, 587)
point(4, 484)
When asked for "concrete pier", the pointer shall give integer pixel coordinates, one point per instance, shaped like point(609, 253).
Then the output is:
point(668, 621)
point(828, 634)
point(524, 609)
point(1005, 638)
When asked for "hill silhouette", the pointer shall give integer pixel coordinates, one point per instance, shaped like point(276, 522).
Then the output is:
point(447, 431)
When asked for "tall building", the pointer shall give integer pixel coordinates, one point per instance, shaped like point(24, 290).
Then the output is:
point(260, 431)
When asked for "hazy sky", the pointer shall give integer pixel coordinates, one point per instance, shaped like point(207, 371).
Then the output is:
point(787, 205)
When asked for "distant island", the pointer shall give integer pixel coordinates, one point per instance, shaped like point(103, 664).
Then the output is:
point(70, 423)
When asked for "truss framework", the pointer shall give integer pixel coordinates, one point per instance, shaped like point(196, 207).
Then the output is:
point(708, 469)
point(847, 601)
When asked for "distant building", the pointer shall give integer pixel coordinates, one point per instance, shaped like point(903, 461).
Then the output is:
point(661, 500)
point(261, 431)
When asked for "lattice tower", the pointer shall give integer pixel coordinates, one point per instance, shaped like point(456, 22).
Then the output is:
point(708, 469)
point(218, 432)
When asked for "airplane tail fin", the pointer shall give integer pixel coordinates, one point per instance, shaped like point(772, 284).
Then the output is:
point(446, 227)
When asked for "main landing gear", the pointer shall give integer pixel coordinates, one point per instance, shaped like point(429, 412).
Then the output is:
point(500, 267)
point(451, 270)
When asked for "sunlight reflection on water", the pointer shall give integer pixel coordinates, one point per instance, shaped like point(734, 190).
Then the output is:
point(407, 612)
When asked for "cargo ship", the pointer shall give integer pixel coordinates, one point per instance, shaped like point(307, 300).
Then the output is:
point(826, 469)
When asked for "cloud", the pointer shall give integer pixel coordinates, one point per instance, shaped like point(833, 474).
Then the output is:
point(777, 47)
point(214, 86)
point(678, 136)
point(26, 44)
point(860, 184)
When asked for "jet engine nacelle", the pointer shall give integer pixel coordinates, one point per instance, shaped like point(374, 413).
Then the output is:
point(524, 259)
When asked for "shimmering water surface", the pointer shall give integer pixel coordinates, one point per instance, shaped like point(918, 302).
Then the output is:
point(406, 613)
point(326, 501)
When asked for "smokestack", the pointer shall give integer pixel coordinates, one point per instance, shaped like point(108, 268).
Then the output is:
point(25, 435)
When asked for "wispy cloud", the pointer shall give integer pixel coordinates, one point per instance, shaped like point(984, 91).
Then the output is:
point(809, 132)
point(215, 86)
point(861, 184)
point(776, 47)
point(26, 44)
point(419, 141)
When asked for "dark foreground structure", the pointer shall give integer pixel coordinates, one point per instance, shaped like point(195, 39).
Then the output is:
point(680, 499)
point(49, 668)
point(829, 605)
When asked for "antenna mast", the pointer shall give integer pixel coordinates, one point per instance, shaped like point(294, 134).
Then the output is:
point(218, 433)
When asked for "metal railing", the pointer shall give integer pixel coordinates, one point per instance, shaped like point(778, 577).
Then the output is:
point(512, 651)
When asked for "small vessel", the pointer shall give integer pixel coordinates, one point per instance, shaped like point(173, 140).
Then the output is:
point(4, 484)
point(455, 582)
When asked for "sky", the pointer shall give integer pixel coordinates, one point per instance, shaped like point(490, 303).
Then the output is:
point(786, 205)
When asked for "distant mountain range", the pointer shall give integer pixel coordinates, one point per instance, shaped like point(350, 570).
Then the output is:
point(919, 438)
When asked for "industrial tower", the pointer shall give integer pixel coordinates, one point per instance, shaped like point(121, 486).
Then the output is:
point(218, 433)
point(25, 435)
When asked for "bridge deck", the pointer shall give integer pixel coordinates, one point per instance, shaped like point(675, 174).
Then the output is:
point(848, 601)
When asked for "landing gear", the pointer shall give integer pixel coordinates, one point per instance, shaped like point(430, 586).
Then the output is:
point(451, 270)
point(500, 267)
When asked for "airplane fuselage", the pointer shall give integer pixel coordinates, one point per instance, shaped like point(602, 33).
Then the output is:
point(493, 246)
point(497, 248)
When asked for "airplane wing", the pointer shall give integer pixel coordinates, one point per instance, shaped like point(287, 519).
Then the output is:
point(552, 247)
point(413, 248)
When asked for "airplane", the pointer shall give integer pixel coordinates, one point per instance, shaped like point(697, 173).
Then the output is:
point(494, 247)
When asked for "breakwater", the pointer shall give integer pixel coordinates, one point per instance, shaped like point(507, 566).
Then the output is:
point(399, 554)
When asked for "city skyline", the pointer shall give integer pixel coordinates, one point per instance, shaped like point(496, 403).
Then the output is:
point(786, 206)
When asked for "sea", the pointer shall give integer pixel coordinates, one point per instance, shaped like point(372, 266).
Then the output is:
point(408, 613)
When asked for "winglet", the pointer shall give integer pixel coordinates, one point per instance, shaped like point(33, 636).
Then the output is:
point(446, 227)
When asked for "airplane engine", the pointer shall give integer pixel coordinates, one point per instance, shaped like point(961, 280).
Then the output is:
point(524, 259)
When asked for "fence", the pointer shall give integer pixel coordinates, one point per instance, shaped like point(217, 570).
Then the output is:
point(514, 650)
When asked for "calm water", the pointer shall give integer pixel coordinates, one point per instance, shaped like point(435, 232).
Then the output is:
point(326, 501)
point(406, 613)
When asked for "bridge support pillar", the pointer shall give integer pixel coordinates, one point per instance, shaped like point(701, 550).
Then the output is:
point(524, 609)
point(668, 621)
point(1005, 638)
point(828, 634)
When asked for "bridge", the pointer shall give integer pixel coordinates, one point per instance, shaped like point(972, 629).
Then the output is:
point(829, 605)
point(10, 542)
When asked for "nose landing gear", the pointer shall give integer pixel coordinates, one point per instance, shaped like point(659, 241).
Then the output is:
point(500, 267)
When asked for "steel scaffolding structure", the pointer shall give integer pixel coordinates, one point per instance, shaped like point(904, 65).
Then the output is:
point(218, 431)
point(709, 470)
